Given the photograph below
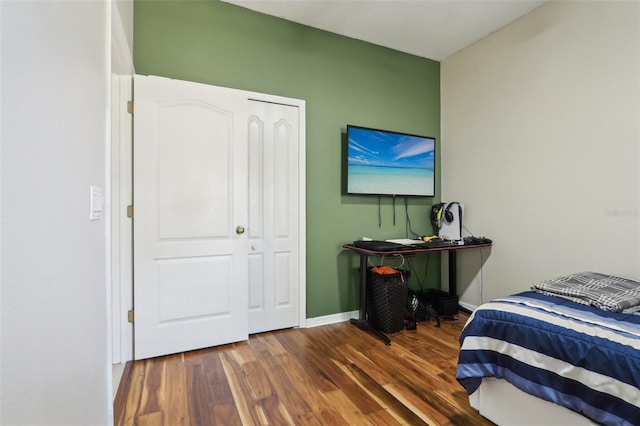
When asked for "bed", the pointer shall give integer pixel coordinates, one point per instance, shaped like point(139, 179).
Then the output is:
point(555, 356)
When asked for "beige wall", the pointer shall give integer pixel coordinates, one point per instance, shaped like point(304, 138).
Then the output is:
point(540, 140)
point(54, 342)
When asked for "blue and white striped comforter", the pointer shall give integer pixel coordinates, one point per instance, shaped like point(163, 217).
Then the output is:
point(577, 356)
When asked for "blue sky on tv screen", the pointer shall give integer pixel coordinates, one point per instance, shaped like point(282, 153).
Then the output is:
point(385, 149)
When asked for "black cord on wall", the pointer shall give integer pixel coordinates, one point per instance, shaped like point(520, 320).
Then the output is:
point(408, 229)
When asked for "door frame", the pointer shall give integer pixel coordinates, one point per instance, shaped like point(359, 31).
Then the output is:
point(121, 226)
point(122, 264)
point(119, 187)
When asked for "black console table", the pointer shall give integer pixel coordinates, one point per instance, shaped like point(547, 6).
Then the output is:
point(362, 321)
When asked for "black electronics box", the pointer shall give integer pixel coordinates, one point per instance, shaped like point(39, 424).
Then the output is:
point(446, 305)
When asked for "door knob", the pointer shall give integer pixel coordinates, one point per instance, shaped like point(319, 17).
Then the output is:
point(239, 230)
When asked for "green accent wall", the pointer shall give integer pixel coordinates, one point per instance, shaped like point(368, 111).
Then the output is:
point(343, 81)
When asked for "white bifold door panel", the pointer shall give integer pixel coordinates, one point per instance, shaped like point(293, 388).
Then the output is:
point(216, 216)
point(273, 216)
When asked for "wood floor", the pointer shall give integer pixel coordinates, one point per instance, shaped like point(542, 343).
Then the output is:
point(329, 375)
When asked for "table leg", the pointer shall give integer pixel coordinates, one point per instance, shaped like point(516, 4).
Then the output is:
point(453, 268)
point(453, 278)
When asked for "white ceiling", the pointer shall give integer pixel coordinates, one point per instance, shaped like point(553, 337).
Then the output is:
point(433, 29)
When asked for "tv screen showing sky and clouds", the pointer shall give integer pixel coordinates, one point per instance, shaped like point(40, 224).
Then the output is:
point(389, 163)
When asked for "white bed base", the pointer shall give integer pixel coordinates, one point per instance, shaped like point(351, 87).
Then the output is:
point(504, 404)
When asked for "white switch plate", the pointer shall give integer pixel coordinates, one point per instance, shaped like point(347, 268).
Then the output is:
point(96, 202)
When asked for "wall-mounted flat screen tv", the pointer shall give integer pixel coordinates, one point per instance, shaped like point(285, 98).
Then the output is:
point(382, 162)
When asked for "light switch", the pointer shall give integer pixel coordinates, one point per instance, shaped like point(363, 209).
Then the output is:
point(96, 202)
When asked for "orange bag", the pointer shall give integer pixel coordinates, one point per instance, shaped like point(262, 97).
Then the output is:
point(384, 270)
point(387, 270)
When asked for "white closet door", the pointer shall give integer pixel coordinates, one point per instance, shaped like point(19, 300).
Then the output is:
point(273, 216)
point(190, 201)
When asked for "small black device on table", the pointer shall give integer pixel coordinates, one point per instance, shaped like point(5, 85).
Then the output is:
point(385, 248)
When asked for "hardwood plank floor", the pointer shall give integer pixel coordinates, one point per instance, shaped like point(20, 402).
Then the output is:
point(329, 375)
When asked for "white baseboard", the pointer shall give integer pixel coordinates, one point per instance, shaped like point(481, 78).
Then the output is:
point(331, 319)
point(117, 370)
point(346, 316)
point(468, 306)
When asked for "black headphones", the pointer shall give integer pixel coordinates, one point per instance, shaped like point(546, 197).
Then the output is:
point(448, 214)
point(438, 215)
